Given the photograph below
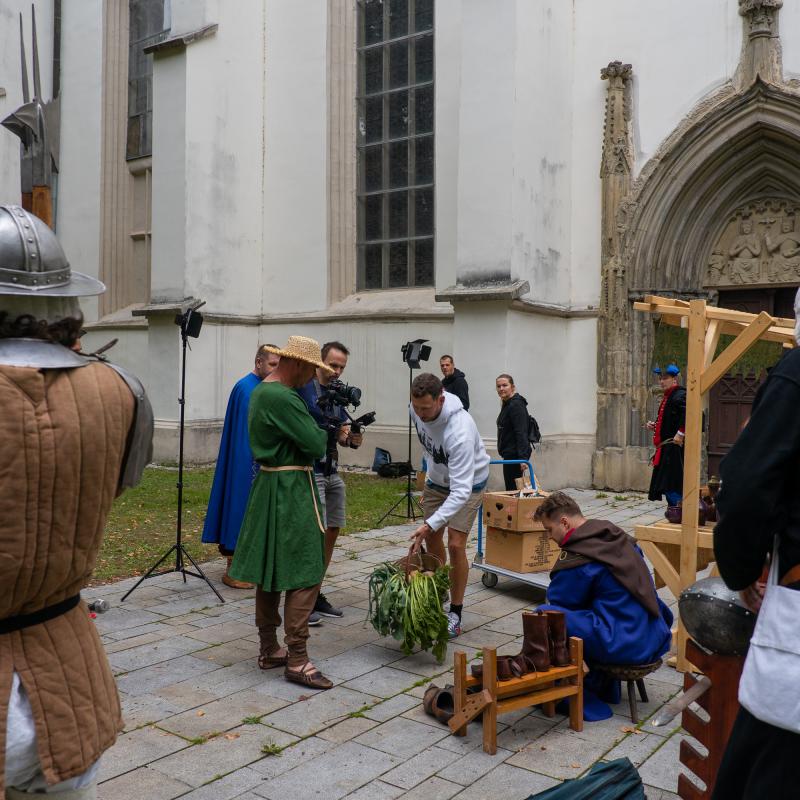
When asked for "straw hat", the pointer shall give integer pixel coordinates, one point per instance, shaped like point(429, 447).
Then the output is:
point(303, 349)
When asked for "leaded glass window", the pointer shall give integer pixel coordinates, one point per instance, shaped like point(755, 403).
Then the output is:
point(148, 25)
point(395, 143)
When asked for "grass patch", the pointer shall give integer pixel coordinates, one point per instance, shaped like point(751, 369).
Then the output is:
point(619, 498)
point(141, 525)
point(269, 748)
point(251, 720)
point(368, 499)
point(356, 714)
point(203, 739)
point(600, 496)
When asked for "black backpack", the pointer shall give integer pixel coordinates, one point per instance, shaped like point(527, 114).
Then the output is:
point(534, 434)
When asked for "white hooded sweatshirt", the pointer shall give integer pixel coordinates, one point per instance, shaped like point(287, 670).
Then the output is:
point(457, 458)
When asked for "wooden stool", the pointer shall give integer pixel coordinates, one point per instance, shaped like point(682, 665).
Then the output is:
point(633, 675)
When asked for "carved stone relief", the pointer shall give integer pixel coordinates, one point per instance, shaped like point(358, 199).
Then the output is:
point(760, 245)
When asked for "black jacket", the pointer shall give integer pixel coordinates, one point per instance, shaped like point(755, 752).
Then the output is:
point(668, 475)
point(760, 495)
point(456, 384)
point(512, 428)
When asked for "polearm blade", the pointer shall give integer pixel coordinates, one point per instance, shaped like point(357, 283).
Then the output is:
point(671, 710)
point(26, 96)
point(37, 86)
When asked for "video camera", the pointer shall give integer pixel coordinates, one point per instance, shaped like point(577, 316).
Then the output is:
point(339, 395)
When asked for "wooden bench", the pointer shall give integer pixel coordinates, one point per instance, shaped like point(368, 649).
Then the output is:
point(499, 697)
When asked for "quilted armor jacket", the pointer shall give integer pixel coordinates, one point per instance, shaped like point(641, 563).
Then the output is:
point(63, 434)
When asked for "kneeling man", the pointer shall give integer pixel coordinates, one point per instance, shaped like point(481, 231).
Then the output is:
point(603, 586)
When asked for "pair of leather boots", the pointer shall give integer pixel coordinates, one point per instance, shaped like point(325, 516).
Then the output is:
point(544, 645)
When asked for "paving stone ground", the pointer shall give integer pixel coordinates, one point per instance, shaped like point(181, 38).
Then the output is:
point(203, 722)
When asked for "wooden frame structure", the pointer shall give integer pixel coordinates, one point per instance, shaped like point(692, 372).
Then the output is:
point(499, 697)
point(678, 568)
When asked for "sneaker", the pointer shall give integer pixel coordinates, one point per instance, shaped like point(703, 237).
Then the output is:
point(314, 619)
point(324, 608)
point(453, 624)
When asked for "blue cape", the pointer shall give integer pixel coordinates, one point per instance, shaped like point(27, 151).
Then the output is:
point(234, 472)
point(614, 626)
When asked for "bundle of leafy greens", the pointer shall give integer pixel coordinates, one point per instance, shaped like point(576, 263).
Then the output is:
point(410, 609)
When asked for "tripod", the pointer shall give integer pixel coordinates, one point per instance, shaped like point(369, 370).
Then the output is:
point(190, 323)
point(413, 508)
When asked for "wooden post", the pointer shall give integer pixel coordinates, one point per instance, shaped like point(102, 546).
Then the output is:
point(490, 712)
point(692, 446)
point(459, 686)
point(576, 701)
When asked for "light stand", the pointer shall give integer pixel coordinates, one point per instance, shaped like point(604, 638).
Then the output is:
point(190, 322)
point(413, 352)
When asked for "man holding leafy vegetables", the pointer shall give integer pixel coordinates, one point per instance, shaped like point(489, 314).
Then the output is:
point(458, 468)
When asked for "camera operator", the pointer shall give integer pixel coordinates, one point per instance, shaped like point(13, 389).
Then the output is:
point(329, 483)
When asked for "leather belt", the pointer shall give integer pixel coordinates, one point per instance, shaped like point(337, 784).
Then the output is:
point(308, 470)
point(20, 621)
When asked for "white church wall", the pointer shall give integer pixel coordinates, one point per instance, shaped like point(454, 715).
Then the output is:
point(224, 154)
point(78, 212)
point(485, 142)
point(789, 27)
point(540, 183)
point(447, 113)
point(680, 52)
point(169, 201)
point(503, 144)
point(295, 182)
point(552, 362)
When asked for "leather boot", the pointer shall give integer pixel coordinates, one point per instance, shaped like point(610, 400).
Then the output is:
point(232, 582)
point(535, 655)
point(504, 672)
point(557, 626)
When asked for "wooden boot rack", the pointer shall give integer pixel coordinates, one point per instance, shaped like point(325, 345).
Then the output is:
point(500, 697)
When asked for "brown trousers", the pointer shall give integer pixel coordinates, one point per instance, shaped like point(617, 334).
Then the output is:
point(298, 605)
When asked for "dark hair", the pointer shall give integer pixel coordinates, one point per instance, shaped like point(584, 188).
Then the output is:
point(262, 353)
point(442, 358)
point(66, 331)
point(505, 375)
point(556, 504)
point(426, 383)
point(328, 346)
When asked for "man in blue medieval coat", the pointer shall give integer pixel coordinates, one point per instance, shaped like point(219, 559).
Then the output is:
point(602, 584)
point(235, 467)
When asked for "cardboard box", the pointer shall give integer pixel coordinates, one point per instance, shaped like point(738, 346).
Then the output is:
point(512, 513)
point(520, 551)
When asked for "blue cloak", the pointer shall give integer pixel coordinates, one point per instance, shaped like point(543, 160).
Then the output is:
point(234, 472)
point(614, 626)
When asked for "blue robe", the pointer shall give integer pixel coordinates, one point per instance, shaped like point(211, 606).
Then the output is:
point(234, 472)
point(614, 626)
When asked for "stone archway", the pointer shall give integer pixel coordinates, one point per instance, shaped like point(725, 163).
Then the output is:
point(674, 230)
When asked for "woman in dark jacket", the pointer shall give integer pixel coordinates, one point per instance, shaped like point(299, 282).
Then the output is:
point(512, 429)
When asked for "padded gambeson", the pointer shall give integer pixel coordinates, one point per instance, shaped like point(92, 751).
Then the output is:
point(62, 441)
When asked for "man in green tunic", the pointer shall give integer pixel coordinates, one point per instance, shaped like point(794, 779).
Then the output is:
point(281, 543)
